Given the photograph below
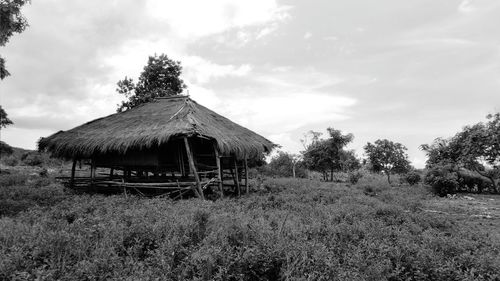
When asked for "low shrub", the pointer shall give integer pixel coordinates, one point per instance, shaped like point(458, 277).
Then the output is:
point(32, 158)
point(354, 177)
point(12, 179)
point(5, 149)
point(443, 180)
point(412, 178)
point(10, 160)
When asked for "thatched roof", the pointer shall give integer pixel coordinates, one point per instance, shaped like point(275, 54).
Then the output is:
point(153, 124)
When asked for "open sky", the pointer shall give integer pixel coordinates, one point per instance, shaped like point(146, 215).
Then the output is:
point(408, 71)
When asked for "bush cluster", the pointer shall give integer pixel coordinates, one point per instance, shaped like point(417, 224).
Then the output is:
point(17, 156)
point(412, 178)
point(443, 180)
point(20, 191)
point(10, 160)
point(5, 149)
point(32, 159)
point(354, 177)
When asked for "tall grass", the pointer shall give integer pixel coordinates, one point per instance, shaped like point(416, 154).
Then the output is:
point(288, 229)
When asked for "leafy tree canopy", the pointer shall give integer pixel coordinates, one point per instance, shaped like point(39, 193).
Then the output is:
point(160, 78)
point(475, 148)
point(11, 21)
point(286, 164)
point(328, 155)
point(388, 157)
point(4, 120)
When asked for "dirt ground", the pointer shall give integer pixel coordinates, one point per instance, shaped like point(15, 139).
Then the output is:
point(482, 210)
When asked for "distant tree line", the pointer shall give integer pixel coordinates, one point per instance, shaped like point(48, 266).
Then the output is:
point(329, 156)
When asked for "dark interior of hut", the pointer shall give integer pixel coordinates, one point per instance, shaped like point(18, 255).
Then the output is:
point(181, 167)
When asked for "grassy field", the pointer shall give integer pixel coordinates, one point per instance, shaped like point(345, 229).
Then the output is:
point(286, 229)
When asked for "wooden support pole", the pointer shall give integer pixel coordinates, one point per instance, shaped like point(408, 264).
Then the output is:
point(231, 170)
point(72, 181)
point(246, 175)
point(236, 177)
point(92, 172)
point(111, 172)
point(193, 167)
point(219, 170)
point(181, 161)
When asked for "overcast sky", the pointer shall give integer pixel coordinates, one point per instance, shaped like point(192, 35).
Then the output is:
point(408, 71)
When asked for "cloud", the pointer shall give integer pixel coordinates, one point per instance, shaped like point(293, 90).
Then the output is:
point(283, 99)
point(199, 70)
point(466, 7)
point(270, 113)
point(205, 96)
point(194, 19)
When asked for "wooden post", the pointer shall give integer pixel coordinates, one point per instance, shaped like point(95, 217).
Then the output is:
point(92, 173)
point(72, 181)
point(111, 172)
point(181, 161)
point(236, 177)
point(124, 189)
point(219, 169)
point(246, 175)
point(193, 167)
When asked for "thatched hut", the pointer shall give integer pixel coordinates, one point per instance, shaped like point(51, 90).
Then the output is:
point(169, 143)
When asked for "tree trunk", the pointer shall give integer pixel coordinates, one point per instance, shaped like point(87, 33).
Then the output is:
point(331, 174)
point(389, 177)
point(490, 178)
point(494, 183)
point(293, 170)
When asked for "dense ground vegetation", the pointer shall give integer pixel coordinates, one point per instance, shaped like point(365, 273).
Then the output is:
point(286, 229)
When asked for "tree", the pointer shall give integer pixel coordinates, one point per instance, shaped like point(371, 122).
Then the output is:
point(348, 161)
point(160, 78)
point(11, 21)
point(4, 120)
point(296, 161)
point(327, 155)
point(286, 165)
point(476, 148)
point(5, 149)
point(388, 157)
